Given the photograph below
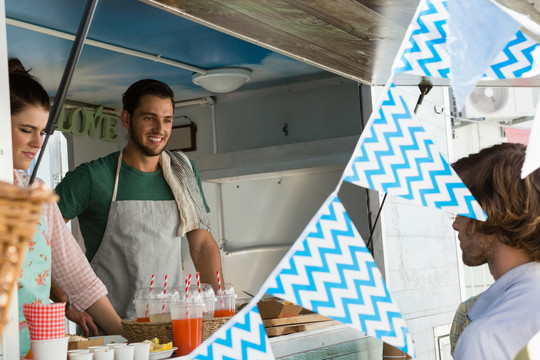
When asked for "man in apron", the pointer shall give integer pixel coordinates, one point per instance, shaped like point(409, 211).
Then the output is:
point(134, 206)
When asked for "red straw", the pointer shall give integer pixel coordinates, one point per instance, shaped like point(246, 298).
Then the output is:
point(188, 283)
point(198, 281)
point(164, 294)
point(219, 290)
point(219, 283)
point(149, 294)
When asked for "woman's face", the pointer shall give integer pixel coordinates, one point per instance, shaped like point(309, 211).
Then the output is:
point(27, 130)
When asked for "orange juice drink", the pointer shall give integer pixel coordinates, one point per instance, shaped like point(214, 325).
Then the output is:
point(225, 305)
point(224, 313)
point(187, 334)
point(186, 315)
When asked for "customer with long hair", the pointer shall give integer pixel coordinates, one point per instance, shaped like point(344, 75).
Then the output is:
point(53, 253)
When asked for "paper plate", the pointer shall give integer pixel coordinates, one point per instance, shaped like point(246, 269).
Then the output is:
point(161, 354)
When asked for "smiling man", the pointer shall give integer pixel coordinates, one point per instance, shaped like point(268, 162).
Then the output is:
point(134, 206)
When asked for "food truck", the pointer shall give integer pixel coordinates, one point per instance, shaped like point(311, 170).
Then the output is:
point(271, 100)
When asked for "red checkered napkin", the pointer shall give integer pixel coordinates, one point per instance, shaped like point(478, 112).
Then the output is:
point(45, 322)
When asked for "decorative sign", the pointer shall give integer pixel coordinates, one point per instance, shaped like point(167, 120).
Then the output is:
point(80, 121)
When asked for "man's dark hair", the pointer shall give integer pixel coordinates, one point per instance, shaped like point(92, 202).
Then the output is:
point(132, 97)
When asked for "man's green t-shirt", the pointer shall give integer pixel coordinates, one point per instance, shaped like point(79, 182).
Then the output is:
point(86, 193)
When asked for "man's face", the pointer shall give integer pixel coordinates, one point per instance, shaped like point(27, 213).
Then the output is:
point(151, 123)
point(477, 248)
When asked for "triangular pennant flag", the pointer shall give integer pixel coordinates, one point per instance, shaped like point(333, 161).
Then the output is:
point(532, 157)
point(475, 41)
point(395, 155)
point(329, 270)
point(425, 50)
point(519, 59)
point(242, 337)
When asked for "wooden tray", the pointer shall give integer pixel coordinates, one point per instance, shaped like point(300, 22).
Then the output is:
point(294, 324)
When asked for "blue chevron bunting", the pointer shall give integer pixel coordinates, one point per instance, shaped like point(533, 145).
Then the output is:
point(396, 155)
point(425, 52)
point(330, 271)
point(242, 337)
point(520, 58)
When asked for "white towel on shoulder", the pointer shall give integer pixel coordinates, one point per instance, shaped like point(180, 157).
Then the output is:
point(179, 175)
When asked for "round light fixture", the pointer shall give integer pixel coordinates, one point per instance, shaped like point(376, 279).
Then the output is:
point(222, 80)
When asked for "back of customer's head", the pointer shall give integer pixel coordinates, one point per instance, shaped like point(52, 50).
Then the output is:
point(132, 97)
point(512, 204)
point(24, 89)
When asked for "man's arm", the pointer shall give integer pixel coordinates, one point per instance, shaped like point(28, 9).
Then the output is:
point(205, 254)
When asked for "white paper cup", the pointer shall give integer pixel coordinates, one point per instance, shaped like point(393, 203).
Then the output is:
point(103, 354)
point(124, 353)
point(50, 349)
point(142, 351)
point(98, 347)
point(79, 351)
point(80, 356)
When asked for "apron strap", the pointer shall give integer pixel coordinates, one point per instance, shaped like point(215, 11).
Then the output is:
point(115, 190)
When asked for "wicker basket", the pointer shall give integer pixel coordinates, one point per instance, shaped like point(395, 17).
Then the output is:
point(140, 331)
point(20, 209)
point(210, 325)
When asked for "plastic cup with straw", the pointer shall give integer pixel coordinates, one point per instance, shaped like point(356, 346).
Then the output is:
point(142, 299)
point(186, 315)
point(220, 291)
point(226, 300)
point(159, 310)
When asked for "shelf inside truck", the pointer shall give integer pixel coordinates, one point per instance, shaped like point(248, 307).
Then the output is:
point(335, 341)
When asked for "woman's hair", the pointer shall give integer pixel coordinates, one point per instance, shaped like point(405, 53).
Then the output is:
point(132, 97)
point(511, 203)
point(24, 89)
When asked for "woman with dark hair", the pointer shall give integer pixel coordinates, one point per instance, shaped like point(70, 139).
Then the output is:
point(53, 253)
point(507, 314)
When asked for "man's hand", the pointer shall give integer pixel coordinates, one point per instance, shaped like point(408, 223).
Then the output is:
point(83, 319)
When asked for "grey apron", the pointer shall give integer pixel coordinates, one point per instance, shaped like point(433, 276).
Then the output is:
point(140, 241)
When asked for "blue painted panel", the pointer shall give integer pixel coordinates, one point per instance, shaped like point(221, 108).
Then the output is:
point(102, 75)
